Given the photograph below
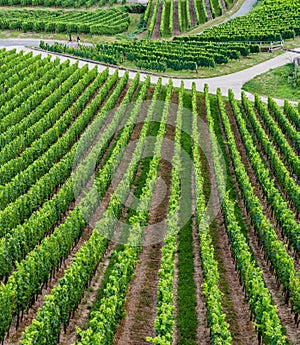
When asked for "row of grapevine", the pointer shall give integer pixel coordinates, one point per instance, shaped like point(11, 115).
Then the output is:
point(286, 127)
point(153, 18)
point(274, 249)
point(61, 241)
point(86, 260)
point(16, 244)
point(284, 216)
point(219, 327)
point(165, 319)
point(176, 55)
point(163, 19)
point(292, 115)
point(272, 21)
point(288, 183)
point(109, 311)
point(101, 22)
point(265, 313)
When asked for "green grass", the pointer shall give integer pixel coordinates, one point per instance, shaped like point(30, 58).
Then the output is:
point(274, 83)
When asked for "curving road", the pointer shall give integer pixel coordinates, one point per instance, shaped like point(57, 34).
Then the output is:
point(233, 81)
point(245, 8)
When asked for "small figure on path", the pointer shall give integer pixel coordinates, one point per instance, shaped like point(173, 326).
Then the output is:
point(70, 39)
point(78, 39)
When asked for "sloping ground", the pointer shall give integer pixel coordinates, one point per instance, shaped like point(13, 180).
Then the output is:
point(234, 81)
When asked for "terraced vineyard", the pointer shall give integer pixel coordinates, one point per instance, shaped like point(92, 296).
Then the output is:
point(167, 18)
point(59, 250)
point(270, 22)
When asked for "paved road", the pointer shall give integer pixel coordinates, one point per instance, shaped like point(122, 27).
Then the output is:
point(233, 81)
point(245, 8)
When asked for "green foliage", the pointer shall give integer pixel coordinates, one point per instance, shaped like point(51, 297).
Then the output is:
point(180, 54)
point(274, 249)
point(112, 21)
point(273, 20)
point(265, 313)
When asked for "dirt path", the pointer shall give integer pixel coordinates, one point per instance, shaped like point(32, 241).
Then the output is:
point(176, 30)
point(192, 13)
point(15, 334)
point(284, 311)
point(141, 299)
point(80, 315)
point(202, 332)
point(208, 9)
point(223, 5)
point(156, 33)
point(234, 303)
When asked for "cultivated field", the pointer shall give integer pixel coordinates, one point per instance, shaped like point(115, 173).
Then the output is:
point(134, 213)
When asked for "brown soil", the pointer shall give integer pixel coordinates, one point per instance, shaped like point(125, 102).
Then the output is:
point(223, 5)
point(286, 135)
point(141, 299)
point(15, 335)
point(234, 303)
point(80, 317)
point(192, 13)
point(156, 33)
point(202, 332)
point(284, 311)
point(255, 183)
point(208, 9)
point(267, 160)
point(176, 30)
point(81, 314)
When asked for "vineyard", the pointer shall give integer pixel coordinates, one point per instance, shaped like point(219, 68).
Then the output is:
point(58, 3)
point(167, 18)
point(160, 56)
point(59, 128)
point(137, 209)
point(107, 22)
point(237, 38)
